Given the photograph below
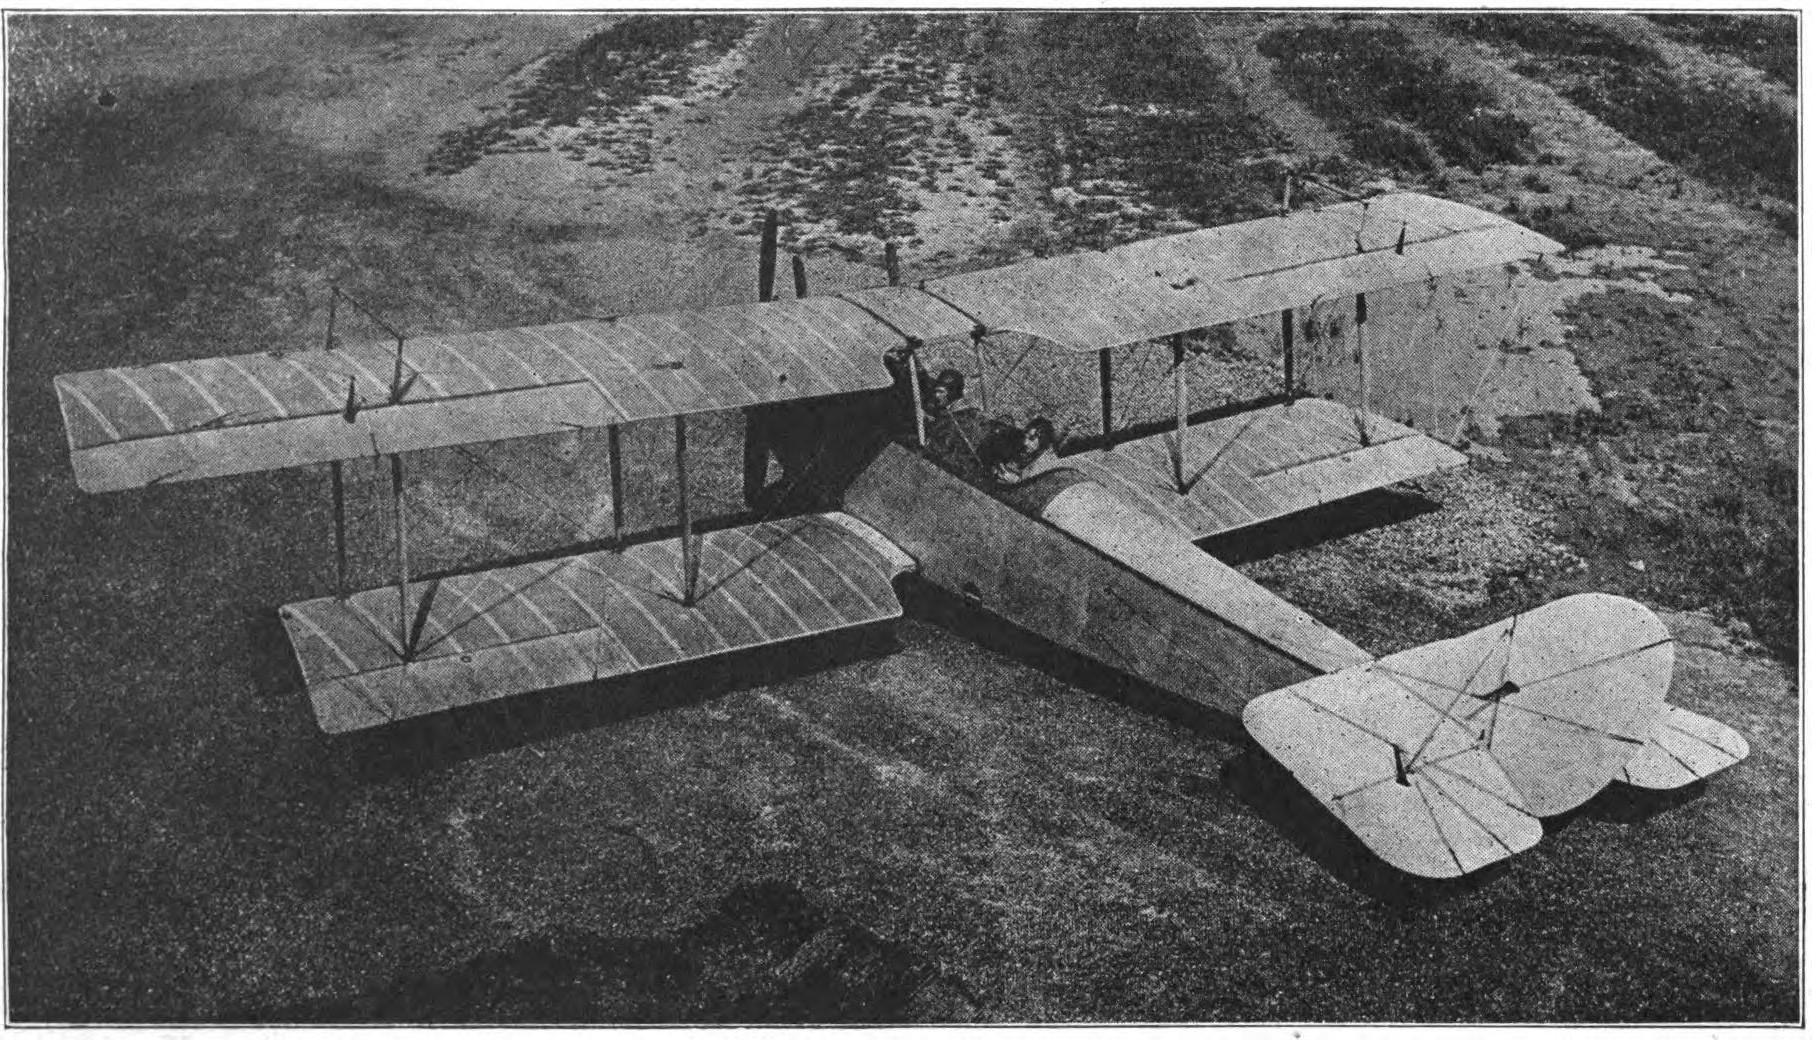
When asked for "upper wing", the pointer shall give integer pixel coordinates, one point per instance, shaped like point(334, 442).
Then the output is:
point(130, 427)
point(1156, 288)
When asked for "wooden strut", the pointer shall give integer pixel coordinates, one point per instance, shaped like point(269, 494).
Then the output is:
point(981, 369)
point(339, 476)
point(1181, 389)
point(913, 369)
point(799, 276)
point(1107, 398)
point(614, 438)
point(402, 558)
point(688, 558)
point(770, 250)
point(1365, 381)
point(913, 372)
point(396, 377)
point(754, 421)
point(339, 530)
point(1289, 353)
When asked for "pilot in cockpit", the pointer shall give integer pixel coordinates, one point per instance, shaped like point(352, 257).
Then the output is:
point(954, 429)
point(1024, 454)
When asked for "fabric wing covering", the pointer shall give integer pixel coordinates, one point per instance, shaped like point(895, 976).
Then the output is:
point(578, 619)
point(130, 427)
point(1444, 758)
point(1264, 464)
point(1146, 290)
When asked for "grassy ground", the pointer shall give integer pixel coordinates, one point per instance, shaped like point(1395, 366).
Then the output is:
point(1400, 108)
point(944, 822)
point(1721, 131)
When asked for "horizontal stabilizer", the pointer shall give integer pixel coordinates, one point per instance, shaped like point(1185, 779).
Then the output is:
point(1684, 747)
point(535, 626)
point(1442, 759)
point(1262, 465)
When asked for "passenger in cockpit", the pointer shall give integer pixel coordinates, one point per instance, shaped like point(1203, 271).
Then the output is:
point(954, 430)
point(944, 392)
point(1013, 462)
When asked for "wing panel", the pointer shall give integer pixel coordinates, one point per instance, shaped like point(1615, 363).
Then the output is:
point(770, 566)
point(1258, 466)
point(278, 390)
point(715, 353)
point(1312, 483)
point(534, 626)
point(915, 313)
point(450, 372)
point(743, 589)
point(537, 358)
point(792, 550)
point(218, 451)
point(1153, 289)
point(185, 420)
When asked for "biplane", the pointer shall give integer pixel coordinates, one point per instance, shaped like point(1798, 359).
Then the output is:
point(1441, 759)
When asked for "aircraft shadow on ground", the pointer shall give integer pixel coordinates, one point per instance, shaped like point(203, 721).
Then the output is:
point(969, 620)
point(1279, 799)
point(1266, 787)
point(1626, 804)
point(766, 953)
point(1324, 523)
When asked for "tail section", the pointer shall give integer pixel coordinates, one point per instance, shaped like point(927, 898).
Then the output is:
point(1443, 759)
